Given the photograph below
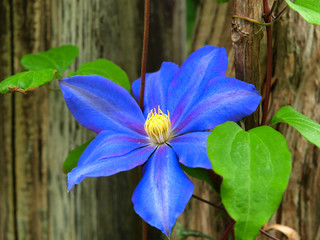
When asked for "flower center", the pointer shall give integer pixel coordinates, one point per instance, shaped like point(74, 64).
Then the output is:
point(158, 126)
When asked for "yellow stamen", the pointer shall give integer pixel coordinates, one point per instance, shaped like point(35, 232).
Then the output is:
point(158, 126)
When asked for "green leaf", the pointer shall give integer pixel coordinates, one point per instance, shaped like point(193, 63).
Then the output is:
point(308, 9)
point(306, 126)
point(222, 1)
point(104, 68)
point(74, 156)
point(57, 58)
point(255, 167)
point(198, 173)
point(26, 81)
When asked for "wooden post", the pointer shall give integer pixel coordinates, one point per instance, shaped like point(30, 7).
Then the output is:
point(37, 131)
point(297, 83)
point(246, 38)
point(214, 25)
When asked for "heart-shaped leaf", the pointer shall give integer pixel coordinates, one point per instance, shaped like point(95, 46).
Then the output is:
point(308, 9)
point(26, 81)
point(104, 68)
point(255, 167)
point(306, 126)
point(57, 58)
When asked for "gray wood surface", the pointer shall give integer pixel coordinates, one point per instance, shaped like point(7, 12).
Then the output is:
point(37, 132)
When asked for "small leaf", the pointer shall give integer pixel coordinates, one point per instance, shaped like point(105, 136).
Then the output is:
point(26, 81)
point(74, 156)
point(306, 126)
point(222, 1)
point(255, 167)
point(308, 9)
point(198, 173)
point(104, 68)
point(57, 58)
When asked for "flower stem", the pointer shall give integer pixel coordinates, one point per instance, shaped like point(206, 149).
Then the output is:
point(267, 19)
point(268, 235)
point(228, 230)
point(272, 8)
point(143, 78)
point(266, 7)
point(207, 202)
point(144, 51)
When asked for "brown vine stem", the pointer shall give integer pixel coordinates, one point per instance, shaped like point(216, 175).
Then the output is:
point(267, 19)
point(260, 23)
point(144, 51)
point(207, 202)
point(281, 13)
point(143, 78)
point(272, 8)
point(228, 230)
point(268, 235)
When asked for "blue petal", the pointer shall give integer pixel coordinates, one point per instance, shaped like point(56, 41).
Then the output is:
point(202, 65)
point(111, 144)
point(164, 190)
point(156, 88)
point(99, 104)
point(191, 149)
point(223, 99)
point(109, 166)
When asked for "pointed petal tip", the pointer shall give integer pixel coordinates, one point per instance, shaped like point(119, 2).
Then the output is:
point(213, 49)
point(163, 192)
point(72, 180)
point(99, 104)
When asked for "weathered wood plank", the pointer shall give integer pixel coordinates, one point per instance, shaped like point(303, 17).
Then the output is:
point(246, 38)
point(297, 83)
point(7, 200)
point(297, 79)
point(32, 185)
point(30, 120)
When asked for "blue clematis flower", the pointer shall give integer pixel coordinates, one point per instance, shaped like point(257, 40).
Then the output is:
point(180, 105)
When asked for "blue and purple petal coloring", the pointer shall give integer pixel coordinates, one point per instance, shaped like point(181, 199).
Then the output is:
point(164, 190)
point(223, 99)
point(192, 149)
point(197, 96)
point(99, 104)
point(111, 144)
point(156, 88)
point(109, 166)
point(187, 86)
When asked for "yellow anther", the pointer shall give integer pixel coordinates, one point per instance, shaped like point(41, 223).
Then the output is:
point(158, 126)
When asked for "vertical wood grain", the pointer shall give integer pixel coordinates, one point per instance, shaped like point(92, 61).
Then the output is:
point(297, 83)
point(30, 121)
point(37, 131)
point(7, 200)
point(246, 38)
